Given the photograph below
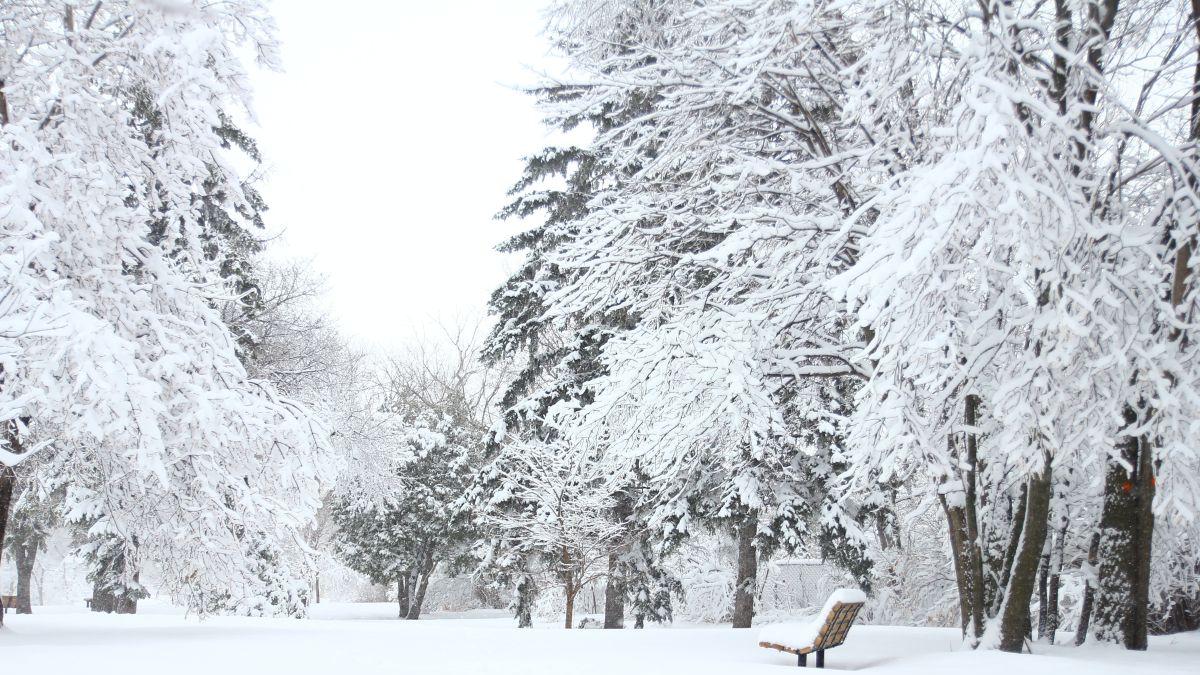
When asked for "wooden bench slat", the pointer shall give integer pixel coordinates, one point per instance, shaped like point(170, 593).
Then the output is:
point(790, 650)
point(832, 633)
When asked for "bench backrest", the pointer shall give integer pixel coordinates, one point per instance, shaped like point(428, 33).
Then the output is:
point(837, 624)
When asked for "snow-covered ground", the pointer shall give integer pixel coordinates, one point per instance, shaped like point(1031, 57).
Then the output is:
point(363, 639)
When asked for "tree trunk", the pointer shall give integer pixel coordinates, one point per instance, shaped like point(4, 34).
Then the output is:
point(1056, 561)
point(526, 593)
point(617, 586)
point(571, 592)
point(1126, 531)
point(1056, 565)
point(25, 557)
point(963, 529)
point(418, 599)
point(639, 621)
point(402, 598)
point(974, 542)
point(1043, 588)
point(614, 594)
point(1089, 591)
point(1145, 488)
point(955, 530)
point(1052, 607)
point(747, 572)
point(8, 480)
point(1010, 552)
point(1014, 614)
point(570, 581)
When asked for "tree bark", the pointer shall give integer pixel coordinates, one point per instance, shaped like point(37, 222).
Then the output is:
point(1144, 487)
point(8, 479)
point(1089, 591)
point(1126, 532)
point(1014, 615)
point(414, 607)
point(954, 528)
point(614, 593)
point(1043, 588)
point(25, 557)
point(963, 529)
point(402, 598)
point(571, 593)
point(747, 572)
point(1010, 552)
point(1056, 564)
point(971, 513)
point(526, 593)
point(570, 581)
point(418, 599)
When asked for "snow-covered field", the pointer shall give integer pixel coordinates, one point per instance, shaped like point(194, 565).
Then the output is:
point(363, 639)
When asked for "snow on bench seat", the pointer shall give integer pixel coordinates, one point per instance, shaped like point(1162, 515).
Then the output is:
point(825, 630)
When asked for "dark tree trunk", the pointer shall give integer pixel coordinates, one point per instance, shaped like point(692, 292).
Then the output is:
point(422, 584)
point(1043, 588)
point(571, 593)
point(8, 481)
point(955, 530)
point(402, 598)
point(747, 572)
point(617, 585)
point(25, 557)
point(526, 593)
point(570, 582)
point(1010, 552)
point(1089, 591)
point(971, 513)
point(639, 621)
point(614, 593)
point(1052, 608)
point(1126, 531)
point(1014, 616)
point(963, 529)
point(414, 608)
point(1056, 564)
point(1145, 488)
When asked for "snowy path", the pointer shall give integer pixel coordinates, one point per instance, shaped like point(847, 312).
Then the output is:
point(356, 640)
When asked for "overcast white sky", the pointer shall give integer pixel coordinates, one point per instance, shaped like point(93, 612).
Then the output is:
point(390, 141)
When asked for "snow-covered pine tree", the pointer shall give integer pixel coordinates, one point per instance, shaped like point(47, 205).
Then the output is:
point(556, 359)
point(401, 538)
point(714, 236)
point(403, 507)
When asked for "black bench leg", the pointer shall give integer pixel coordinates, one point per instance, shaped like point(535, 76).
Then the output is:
point(820, 658)
point(803, 660)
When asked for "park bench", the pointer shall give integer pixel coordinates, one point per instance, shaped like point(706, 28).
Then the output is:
point(7, 602)
point(824, 631)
